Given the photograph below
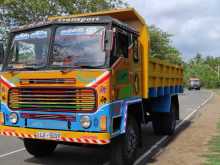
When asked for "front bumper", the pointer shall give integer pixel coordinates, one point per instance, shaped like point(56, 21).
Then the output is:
point(61, 136)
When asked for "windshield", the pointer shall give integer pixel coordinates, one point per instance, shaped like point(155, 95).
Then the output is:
point(73, 46)
point(79, 46)
point(196, 82)
point(29, 49)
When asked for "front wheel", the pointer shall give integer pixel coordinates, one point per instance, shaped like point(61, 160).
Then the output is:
point(39, 148)
point(123, 149)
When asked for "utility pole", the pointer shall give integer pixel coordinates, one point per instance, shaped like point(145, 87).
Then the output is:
point(218, 71)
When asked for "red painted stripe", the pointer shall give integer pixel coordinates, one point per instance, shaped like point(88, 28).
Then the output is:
point(94, 141)
point(23, 135)
point(63, 139)
point(86, 140)
point(101, 81)
point(30, 136)
point(79, 140)
point(5, 83)
point(103, 141)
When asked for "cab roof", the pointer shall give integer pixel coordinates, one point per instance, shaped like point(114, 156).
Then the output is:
point(126, 18)
point(75, 20)
point(124, 15)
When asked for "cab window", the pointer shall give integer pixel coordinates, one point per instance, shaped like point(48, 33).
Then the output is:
point(120, 47)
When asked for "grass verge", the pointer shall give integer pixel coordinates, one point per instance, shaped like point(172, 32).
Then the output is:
point(213, 156)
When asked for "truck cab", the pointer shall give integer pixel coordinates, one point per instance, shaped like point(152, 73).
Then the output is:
point(194, 83)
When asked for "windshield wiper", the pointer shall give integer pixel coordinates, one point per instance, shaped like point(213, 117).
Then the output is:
point(90, 67)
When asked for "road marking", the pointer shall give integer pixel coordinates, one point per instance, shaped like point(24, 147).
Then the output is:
point(196, 109)
point(178, 126)
point(13, 152)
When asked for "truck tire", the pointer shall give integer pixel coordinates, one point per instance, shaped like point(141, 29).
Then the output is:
point(39, 148)
point(123, 148)
point(164, 123)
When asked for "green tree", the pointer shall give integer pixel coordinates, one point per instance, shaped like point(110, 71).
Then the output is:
point(26, 11)
point(161, 46)
point(203, 68)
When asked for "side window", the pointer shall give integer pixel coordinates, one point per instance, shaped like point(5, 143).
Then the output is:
point(135, 50)
point(120, 47)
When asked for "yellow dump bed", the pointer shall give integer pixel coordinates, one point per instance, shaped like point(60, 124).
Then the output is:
point(165, 76)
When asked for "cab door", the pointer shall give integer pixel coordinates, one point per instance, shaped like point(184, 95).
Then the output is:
point(119, 61)
point(135, 65)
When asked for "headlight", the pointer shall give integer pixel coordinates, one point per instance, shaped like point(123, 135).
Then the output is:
point(13, 118)
point(85, 121)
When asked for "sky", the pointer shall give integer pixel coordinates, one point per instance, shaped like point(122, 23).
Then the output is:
point(194, 24)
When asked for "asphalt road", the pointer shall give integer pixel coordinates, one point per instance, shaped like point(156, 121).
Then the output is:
point(12, 152)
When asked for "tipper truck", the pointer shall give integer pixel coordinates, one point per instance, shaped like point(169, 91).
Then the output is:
point(87, 79)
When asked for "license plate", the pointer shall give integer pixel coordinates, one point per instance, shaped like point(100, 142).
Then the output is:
point(1, 118)
point(48, 135)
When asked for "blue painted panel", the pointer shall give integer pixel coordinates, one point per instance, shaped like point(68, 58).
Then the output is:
point(57, 124)
point(115, 108)
point(172, 90)
point(161, 104)
point(160, 91)
point(153, 92)
point(6, 111)
point(163, 91)
point(95, 118)
point(176, 89)
point(181, 89)
point(166, 90)
point(126, 103)
point(47, 124)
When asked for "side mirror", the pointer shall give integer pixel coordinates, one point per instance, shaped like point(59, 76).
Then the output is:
point(109, 38)
point(1, 52)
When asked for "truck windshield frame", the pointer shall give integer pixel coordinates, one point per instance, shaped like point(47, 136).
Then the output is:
point(47, 39)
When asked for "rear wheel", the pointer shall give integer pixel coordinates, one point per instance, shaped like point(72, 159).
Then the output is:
point(123, 149)
point(39, 148)
point(165, 123)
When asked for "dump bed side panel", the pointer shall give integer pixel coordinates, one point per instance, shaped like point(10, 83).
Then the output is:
point(164, 78)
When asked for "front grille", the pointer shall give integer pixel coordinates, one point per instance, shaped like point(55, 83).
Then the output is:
point(53, 99)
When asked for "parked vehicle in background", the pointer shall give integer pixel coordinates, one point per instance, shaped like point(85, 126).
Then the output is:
point(87, 79)
point(194, 83)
